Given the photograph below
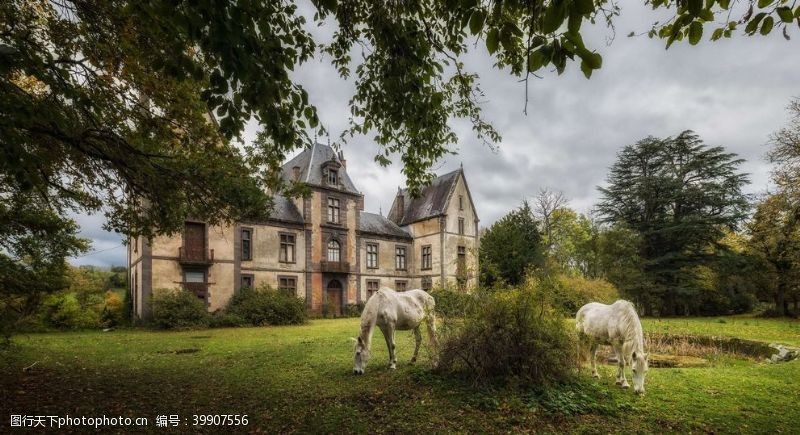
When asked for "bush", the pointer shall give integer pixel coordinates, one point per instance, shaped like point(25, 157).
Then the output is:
point(65, 311)
point(514, 336)
point(266, 306)
point(113, 313)
point(573, 292)
point(354, 310)
point(451, 302)
point(178, 309)
point(222, 319)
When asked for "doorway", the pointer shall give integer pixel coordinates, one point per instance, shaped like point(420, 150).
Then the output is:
point(334, 293)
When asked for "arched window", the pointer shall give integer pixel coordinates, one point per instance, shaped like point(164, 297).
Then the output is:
point(333, 250)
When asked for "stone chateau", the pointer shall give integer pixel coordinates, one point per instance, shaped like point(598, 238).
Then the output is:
point(324, 248)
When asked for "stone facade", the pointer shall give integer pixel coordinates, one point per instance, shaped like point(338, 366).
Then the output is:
point(323, 248)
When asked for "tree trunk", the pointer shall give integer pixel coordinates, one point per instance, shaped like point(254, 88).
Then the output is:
point(780, 297)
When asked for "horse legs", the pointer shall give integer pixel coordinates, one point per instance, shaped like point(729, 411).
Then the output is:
point(621, 367)
point(417, 340)
point(392, 348)
point(432, 341)
point(388, 334)
point(622, 363)
point(593, 355)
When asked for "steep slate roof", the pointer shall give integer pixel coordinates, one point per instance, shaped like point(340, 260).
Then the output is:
point(431, 202)
point(310, 161)
point(377, 224)
point(285, 210)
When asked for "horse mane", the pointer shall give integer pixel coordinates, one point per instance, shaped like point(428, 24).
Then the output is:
point(630, 324)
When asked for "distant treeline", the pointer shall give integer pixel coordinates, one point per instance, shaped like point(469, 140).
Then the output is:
point(673, 232)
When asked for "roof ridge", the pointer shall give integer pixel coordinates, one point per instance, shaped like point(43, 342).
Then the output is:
point(311, 161)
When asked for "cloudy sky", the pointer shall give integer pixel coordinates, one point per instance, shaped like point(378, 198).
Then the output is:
point(731, 92)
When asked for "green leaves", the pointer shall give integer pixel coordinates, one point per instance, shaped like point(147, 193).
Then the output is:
point(764, 3)
point(695, 6)
point(476, 21)
point(536, 60)
point(785, 13)
point(584, 7)
point(492, 40)
point(767, 26)
point(553, 16)
point(695, 32)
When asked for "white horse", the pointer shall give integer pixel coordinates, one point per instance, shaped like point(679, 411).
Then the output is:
point(618, 325)
point(391, 311)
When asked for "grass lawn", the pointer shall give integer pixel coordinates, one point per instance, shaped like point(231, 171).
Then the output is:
point(298, 379)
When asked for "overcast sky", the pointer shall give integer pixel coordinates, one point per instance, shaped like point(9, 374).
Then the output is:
point(731, 92)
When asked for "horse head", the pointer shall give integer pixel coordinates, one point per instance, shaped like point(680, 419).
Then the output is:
point(639, 369)
point(361, 357)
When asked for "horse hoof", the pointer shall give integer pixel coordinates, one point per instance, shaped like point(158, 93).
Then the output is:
point(596, 375)
point(618, 382)
point(625, 386)
point(392, 367)
point(413, 360)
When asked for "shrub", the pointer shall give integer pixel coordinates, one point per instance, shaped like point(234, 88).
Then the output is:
point(222, 319)
point(178, 309)
point(451, 302)
point(573, 292)
point(65, 311)
point(113, 313)
point(514, 336)
point(266, 306)
point(354, 310)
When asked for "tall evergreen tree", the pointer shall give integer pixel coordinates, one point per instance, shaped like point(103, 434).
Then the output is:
point(679, 195)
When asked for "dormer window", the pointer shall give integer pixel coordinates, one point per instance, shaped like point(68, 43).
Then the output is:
point(333, 177)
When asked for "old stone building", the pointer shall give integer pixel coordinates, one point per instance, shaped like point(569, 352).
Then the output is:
point(323, 248)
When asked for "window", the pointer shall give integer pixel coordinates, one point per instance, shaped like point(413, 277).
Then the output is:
point(461, 226)
point(286, 254)
point(194, 276)
point(427, 283)
point(195, 282)
point(400, 286)
point(247, 249)
point(462, 256)
point(247, 281)
point(287, 284)
point(461, 202)
point(372, 287)
point(333, 251)
point(372, 255)
point(333, 177)
point(426, 257)
point(333, 210)
point(400, 258)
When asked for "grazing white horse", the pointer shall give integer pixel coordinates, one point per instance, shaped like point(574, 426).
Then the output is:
point(618, 325)
point(390, 311)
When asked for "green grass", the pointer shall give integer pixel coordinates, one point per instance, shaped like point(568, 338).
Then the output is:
point(299, 379)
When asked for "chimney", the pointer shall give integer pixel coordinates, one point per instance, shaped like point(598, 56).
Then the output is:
point(296, 172)
point(400, 210)
point(342, 160)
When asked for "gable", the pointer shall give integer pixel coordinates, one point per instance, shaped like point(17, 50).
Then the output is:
point(432, 201)
point(311, 166)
